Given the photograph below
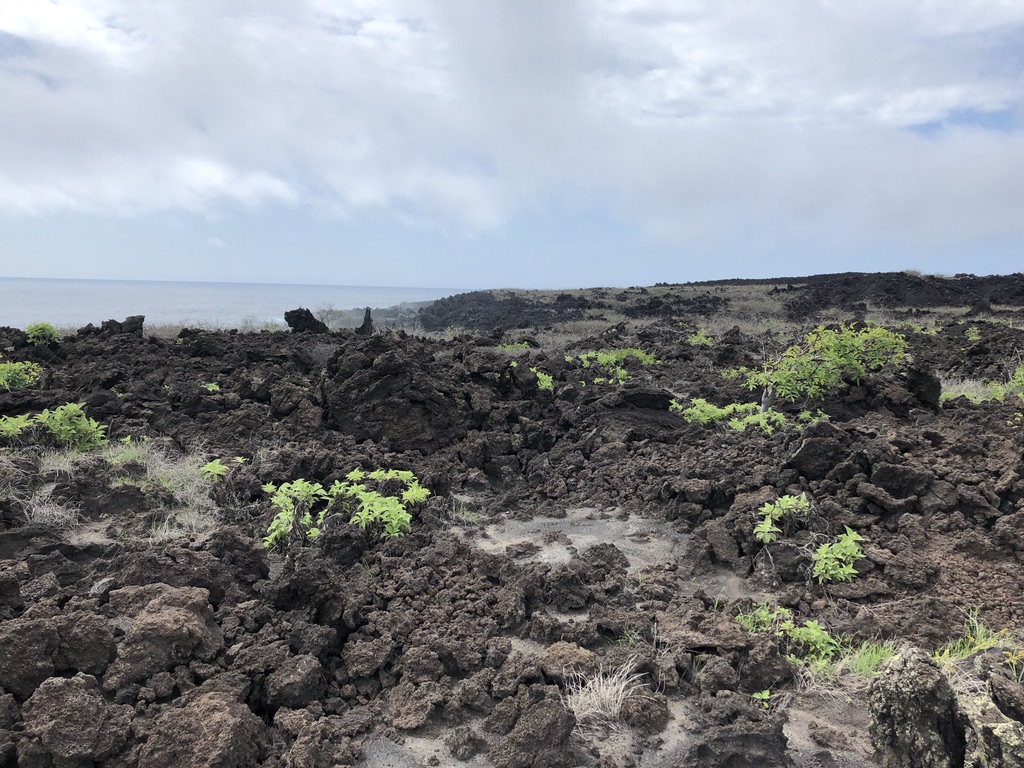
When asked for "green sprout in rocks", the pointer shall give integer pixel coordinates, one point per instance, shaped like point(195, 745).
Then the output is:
point(212, 387)
point(807, 640)
point(214, 470)
point(834, 562)
point(14, 426)
point(19, 375)
point(370, 507)
point(71, 428)
point(41, 334)
point(306, 505)
point(610, 363)
point(700, 339)
point(545, 381)
point(973, 334)
point(294, 501)
point(763, 698)
point(827, 359)
point(977, 637)
point(518, 346)
point(766, 531)
point(737, 416)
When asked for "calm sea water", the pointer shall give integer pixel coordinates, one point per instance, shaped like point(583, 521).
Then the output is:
point(76, 303)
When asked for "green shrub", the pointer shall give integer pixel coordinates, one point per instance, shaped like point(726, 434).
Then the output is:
point(699, 339)
point(71, 428)
point(609, 362)
point(297, 497)
point(19, 375)
point(766, 531)
point(834, 562)
point(808, 640)
point(366, 506)
point(737, 416)
point(42, 333)
point(545, 381)
point(214, 470)
point(14, 426)
point(370, 507)
point(827, 359)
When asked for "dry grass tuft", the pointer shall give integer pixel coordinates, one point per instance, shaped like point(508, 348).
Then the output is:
point(596, 700)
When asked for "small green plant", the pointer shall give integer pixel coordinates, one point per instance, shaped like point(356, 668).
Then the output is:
point(973, 334)
point(545, 381)
point(1014, 661)
point(14, 426)
point(240, 460)
point(813, 640)
point(766, 531)
point(737, 416)
point(980, 391)
point(212, 386)
point(610, 363)
point(41, 334)
point(977, 637)
point(629, 637)
point(214, 470)
point(764, 618)
point(868, 657)
point(699, 339)
point(834, 562)
point(71, 428)
point(294, 499)
point(297, 501)
point(827, 359)
point(518, 346)
point(372, 508)
point(808, 640)
point(763, 698)
point(19, 375)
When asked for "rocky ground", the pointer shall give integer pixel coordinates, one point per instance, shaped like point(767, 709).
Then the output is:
point(579, 534)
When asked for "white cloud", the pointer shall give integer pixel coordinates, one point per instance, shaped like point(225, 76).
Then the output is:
point(700, 120)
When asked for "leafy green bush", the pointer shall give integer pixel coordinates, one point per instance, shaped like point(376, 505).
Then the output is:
point(700, 339)
point(767, 531)
point(14, 426)
point(214, 470)
point(737, 416)
point(71, 428)
point(42, 333)
point(610, 363)
point(298, 500)
point(295, 498)
point(370, 507)
point(808, 640)
point(19, 375)
point(827, 359)
point(834, 562)
point(545, 380)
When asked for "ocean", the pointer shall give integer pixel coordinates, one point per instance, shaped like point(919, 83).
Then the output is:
point(75, 303)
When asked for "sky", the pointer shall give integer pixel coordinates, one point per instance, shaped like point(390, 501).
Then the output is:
point(500, 143)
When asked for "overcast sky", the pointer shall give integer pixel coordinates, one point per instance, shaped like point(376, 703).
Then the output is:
point(486, 143)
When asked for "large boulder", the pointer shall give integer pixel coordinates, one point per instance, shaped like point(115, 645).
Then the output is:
point(920, 719)
point(72, 721)
point(170, 626)
point(213, 731)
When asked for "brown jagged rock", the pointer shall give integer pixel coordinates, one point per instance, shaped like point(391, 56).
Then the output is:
point(213, 731)
point(73, 722)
